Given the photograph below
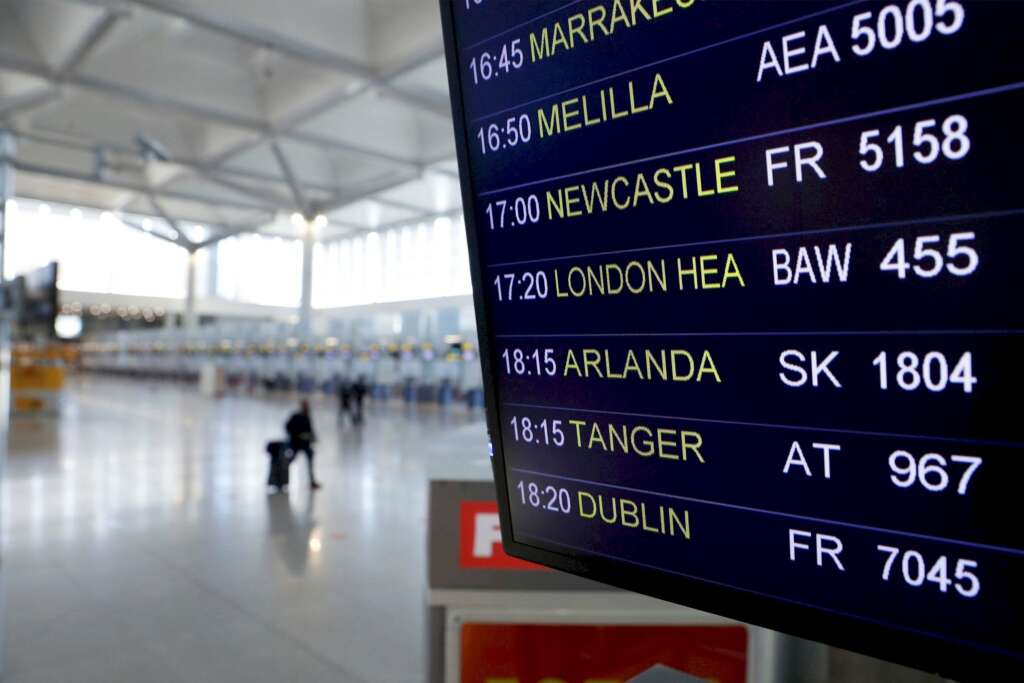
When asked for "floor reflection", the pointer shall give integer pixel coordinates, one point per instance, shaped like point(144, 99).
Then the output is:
point(295, 534)
point(140, 542)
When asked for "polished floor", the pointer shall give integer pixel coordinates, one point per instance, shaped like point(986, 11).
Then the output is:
point(140, 543)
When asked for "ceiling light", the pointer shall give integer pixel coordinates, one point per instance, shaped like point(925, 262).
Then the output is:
point(298, 220)
point(320, 222)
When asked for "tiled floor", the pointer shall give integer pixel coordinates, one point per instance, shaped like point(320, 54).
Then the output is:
point(140, 543)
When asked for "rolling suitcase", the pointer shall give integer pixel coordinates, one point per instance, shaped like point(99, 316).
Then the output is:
point(279, 461)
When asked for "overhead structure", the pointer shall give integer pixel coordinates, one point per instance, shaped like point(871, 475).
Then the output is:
point(199, 114)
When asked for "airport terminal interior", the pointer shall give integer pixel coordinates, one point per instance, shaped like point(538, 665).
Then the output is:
point(251, 205)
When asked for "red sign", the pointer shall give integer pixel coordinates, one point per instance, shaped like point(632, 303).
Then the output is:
point(530, 653)
point(480, 539)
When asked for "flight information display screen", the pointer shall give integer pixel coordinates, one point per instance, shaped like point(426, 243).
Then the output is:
point(747, 296)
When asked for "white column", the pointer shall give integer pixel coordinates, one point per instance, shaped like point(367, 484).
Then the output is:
point(306, 302)
point(7, 149)
point(211, 270)
point(191, 321)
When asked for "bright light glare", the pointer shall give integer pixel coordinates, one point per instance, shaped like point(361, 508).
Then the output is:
point(76, 214)
point(298, 220)
point(198, 233)
point(320, 222)
point(68, 326)
point(44, 210)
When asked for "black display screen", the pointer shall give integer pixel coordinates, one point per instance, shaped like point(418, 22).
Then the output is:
point(745, 284)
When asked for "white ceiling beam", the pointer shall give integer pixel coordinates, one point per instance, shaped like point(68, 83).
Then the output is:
point(344, 199)
point(238, 28)
point(338, 145)
point(444, 172)
point(259, 36)
point(68, 174)
point(14, 63)
point(217, 178)
point(330, 101)
point(85, 46)
point(116, 5)
point(434, 104)
point(264, 131)
point(163, 102)
point(184, 244)
point(221, 176)
point(333, 100)
point(224, 176)
point(66, 141)
point(289, 175)
point(171, 223)
point(351, 91)
point(62, 199)
point(88, 43)
point(29, 101)
point(313, 141)
point(196, 110)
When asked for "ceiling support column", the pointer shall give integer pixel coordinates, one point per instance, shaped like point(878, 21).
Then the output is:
point(7, 172)
point(306, 300)
point(191, 320)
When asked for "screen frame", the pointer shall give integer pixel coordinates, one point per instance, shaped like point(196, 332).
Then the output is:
point(876, 639)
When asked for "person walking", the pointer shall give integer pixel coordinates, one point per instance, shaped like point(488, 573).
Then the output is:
point(359, 390)
point(301, 438)
point(344, 396)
